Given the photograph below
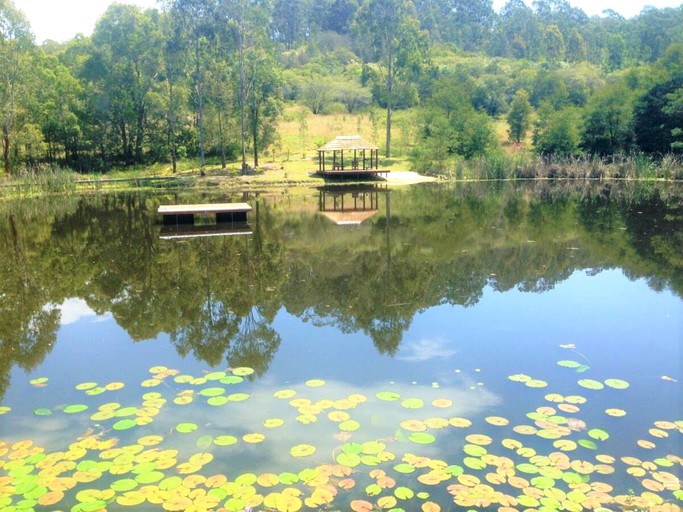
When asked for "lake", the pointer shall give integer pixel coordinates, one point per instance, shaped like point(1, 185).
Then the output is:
point(437, 347)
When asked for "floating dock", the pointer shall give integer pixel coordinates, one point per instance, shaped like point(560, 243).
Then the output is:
point(184, 214)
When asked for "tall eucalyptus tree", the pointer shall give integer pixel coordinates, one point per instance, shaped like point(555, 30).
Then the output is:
point(16, 44)
point(389, 34)
point(196, 22)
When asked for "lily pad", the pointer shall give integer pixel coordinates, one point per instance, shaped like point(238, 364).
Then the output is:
point(75, 409)
point(569, 364)
point(598, 433)
point(413, 403)
point(388, 396)
point(591, 384)
point(421, 437)
point(125, 424)
point(186, 428)
point(302, 450)
point(617, 383)
point(242, 371)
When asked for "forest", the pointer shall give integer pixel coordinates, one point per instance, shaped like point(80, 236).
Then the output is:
point(215, 81)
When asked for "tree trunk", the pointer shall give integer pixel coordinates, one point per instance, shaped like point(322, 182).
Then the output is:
point(242, 94)
point(200, 107)
point(254, 133)
point(390, 103)
point(220, 133)
point(171, 127)
point(5, 148)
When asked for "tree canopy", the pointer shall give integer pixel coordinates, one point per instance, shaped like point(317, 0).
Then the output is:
point(209, 78)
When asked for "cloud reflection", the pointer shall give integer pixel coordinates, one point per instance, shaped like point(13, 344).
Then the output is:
point(426, 349)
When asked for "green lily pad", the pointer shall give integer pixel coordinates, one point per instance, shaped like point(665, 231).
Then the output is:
point(124, 485)
point(421, 437)
point(543, 482)
point(217, 401)
point(75, 409)
point(617, 383)
point(224, 440)
point(211, 392)
point(231, 379)
point(125, 424)
point(287, 478)
point(42, 412)
point(350, 460)
point(587, 443)
point(474, 463)
point(186, 428)
point(242, 371)
point(388, 396)
point(170, 483)
point(591, 384)
point(413, 403)
point(150, 477)
point(404, 493)
point(569, 364)
point(599, 434)
point(404, 468)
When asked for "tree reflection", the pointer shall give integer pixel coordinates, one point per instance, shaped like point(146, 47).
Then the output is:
point(216, 298)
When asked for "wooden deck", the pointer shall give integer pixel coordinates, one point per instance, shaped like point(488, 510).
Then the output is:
point(353, 173)
point(176, 214)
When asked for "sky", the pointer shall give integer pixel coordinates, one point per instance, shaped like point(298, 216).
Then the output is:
point(61, 20)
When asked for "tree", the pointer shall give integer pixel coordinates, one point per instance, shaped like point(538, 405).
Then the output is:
point(557, 133)
point(519, 116)
point(576, 47)
point(658, 116)
point(451, 127)
point(16, 43)
point(263, 98)
point(128, 45)
point(195, 20)
point(554, 43)
point(608, 121)
point(389, 33)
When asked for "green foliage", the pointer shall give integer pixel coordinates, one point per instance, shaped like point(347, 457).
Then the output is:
point(557, 132)
point(452, 127)
point(657, 118)
point(519, 116)
point(608, 121)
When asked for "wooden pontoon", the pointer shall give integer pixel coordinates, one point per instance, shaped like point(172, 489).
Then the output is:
point(178, 214)
point(349, 156)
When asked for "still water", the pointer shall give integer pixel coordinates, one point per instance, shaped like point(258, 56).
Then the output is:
point(428, 348)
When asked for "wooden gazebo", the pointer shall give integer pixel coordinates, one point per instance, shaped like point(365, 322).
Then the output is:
point(348, 155)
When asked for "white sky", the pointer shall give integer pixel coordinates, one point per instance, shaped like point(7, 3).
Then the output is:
point(61, 20)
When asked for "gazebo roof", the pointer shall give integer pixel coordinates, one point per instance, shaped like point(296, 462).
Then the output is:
point(348, 142)
point(349, 218)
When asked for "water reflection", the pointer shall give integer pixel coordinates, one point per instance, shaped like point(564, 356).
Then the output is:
point(352, 205)
point(217, 297)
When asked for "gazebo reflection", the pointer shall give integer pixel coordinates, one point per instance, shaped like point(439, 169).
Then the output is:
point(350, 205)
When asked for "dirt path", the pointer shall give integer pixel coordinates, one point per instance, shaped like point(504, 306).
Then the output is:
point(406, 178)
